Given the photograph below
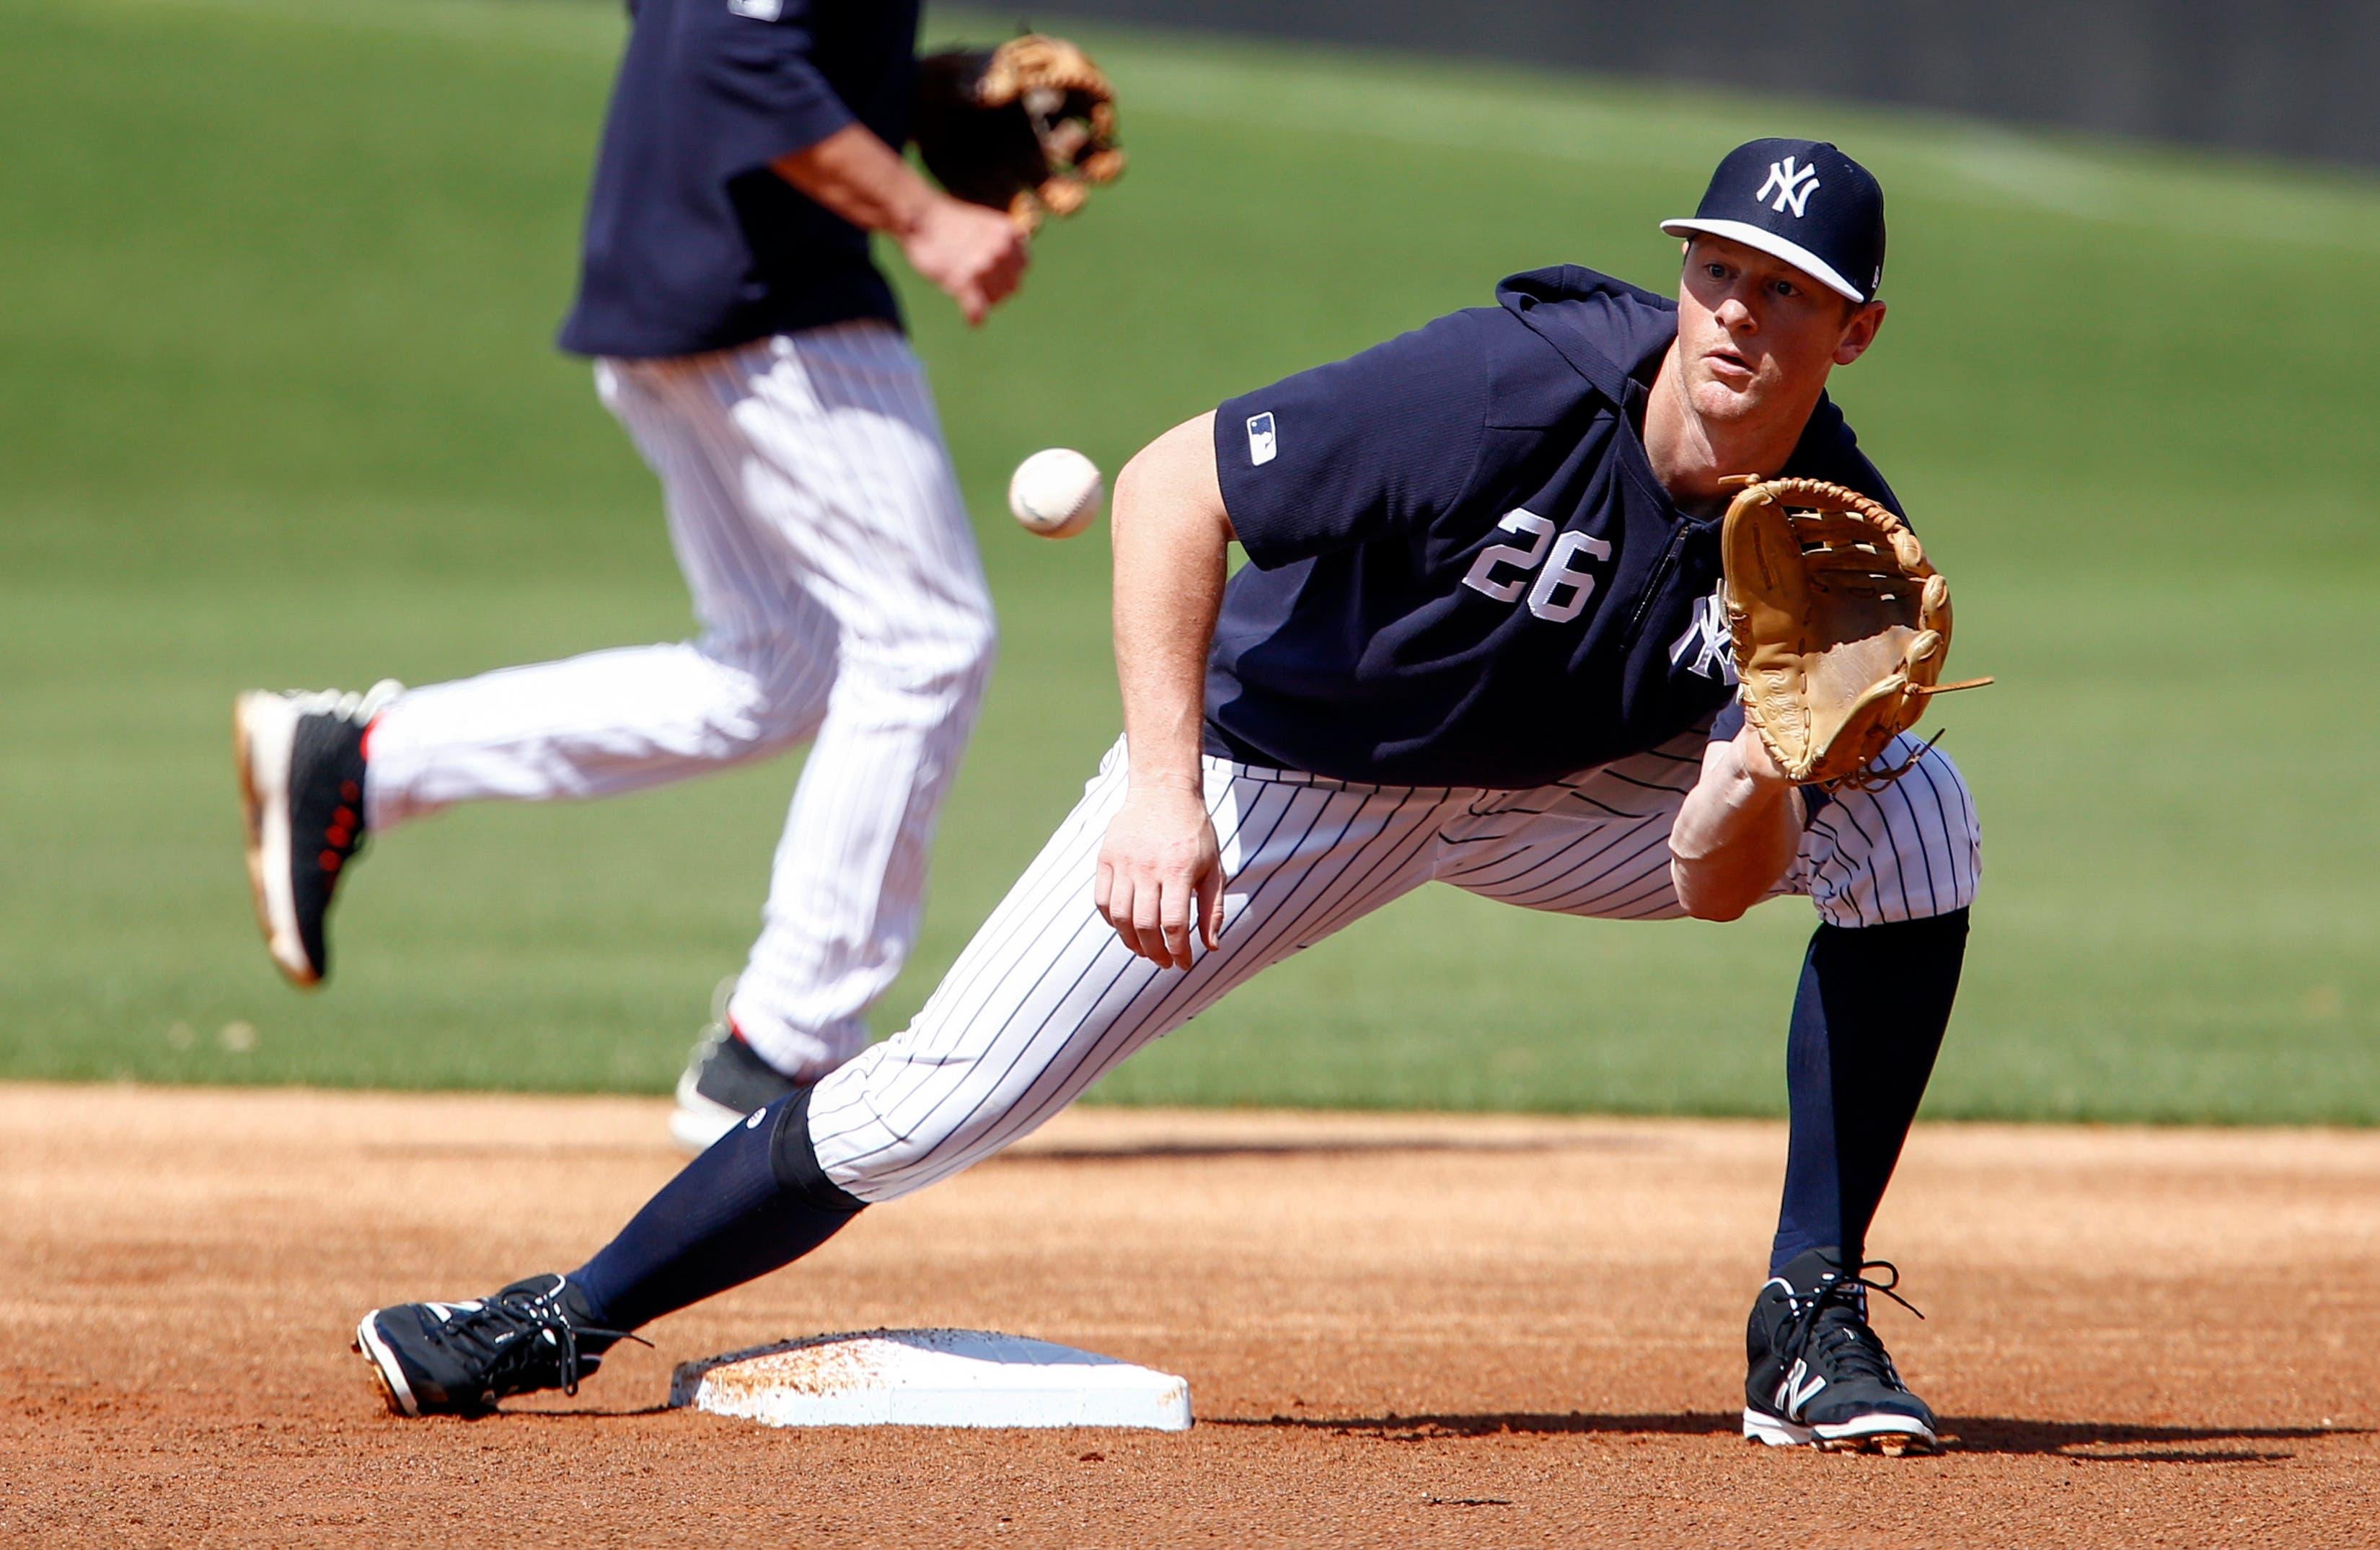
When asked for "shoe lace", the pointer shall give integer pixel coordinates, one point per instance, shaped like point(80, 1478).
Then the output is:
point(352, 705)
point(507, 1329)
point(1830, 1324)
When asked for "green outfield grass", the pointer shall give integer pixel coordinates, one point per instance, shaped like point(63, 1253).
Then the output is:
point(278, 406)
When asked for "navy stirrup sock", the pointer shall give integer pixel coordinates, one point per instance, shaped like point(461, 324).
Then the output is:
point(1868, 1020)
point(755, 1201)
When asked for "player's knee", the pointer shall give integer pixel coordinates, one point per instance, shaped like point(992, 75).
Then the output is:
point(781, 685)
point(975, 645)
point(1906, 851)
point(942, 666)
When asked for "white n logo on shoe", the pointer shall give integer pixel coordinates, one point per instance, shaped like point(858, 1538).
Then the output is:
point(1801, 1387)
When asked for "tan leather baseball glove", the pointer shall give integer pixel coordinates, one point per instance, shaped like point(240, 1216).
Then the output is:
point(1841, 627)
point(1026, 128)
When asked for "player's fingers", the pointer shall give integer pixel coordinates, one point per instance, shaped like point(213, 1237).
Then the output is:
point(1102, 888)
point(1117, 906)
point(1148, 922)
point(1211, 906)
point(1132, 912)
point(1000, 281)
point(1173, 921)
point(1118, 910)
point(972, 305)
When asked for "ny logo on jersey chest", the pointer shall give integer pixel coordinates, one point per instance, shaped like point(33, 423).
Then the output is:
point(1707, 636)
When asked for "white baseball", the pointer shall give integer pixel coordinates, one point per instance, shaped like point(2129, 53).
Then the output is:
point(1056, 492)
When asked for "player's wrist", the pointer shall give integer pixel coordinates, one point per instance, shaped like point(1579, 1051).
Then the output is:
point(1759, 767)
point(1189, 781)
point(914, 212)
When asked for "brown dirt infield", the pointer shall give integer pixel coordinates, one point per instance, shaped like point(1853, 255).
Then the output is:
point(1399, 1330)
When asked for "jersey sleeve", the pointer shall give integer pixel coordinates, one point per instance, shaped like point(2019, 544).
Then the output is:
point(754, 59)
point(1376, 444)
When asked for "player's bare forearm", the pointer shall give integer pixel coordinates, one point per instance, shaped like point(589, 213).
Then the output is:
point(1737, 831)
point(1159, 865)
point(1171, 537)
point(976, 256)
point(860, 178)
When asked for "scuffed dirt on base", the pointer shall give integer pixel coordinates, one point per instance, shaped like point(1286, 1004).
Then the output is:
point(1397, 1330)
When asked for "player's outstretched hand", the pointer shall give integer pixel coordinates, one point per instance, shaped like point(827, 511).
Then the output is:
point(1158, 869)
point(976, 256)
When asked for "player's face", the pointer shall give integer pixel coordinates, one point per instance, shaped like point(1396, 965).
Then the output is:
point(1755, 335)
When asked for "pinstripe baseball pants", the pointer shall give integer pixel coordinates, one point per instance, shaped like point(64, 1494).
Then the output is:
point(815, 514)
point(1046, 998)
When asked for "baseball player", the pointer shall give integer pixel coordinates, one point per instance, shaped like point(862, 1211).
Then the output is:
point(755, 355)
point(1476, 643)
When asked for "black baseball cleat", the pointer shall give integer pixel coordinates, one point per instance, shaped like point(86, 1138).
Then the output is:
point(461, 1358)
point(301, 784)
point(724, 1082)
point(1820, 1378)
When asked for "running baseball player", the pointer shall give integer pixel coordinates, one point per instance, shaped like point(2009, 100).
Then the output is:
point(755, 355)
point(1479, 640)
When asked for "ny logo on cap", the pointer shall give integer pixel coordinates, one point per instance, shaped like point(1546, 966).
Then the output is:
point(1792, 186)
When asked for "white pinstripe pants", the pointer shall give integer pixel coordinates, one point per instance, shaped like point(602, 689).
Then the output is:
point(814, 512)
point(1046, 998)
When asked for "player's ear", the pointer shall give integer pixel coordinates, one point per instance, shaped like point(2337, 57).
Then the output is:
point(1858, 331)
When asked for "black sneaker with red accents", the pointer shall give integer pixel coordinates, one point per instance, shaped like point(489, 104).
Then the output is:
point(725, 1079)
point(1819, 1376)
point(301, 784)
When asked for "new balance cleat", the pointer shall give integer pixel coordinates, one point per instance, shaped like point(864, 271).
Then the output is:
point(461, 1358)
point(1819, 1375)
point(301, 787)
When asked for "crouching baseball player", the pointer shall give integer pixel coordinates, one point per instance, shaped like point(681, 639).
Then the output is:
point(1482, 639)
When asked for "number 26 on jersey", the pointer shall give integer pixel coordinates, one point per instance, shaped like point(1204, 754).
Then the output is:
point(1562, 585)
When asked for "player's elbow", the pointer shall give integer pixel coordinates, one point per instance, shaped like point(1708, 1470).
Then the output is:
point(1132, 483)
point(1712, 892)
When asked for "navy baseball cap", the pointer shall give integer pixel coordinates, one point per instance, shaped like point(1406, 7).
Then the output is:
point(1801, 201)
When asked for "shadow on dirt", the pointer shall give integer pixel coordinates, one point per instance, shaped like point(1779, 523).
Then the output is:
point(657, 1149)
point(2113, 1442)
point(2083, 1441)
point(1180, 1151)
point(577, 1413)
point(1426, 1428)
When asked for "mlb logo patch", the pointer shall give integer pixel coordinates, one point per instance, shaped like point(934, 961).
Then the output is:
point(758, 10)
point(1261, 440)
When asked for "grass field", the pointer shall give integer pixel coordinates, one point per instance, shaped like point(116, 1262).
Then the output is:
point(278, 406)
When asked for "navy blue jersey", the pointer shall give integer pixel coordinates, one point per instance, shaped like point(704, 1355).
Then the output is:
point(1463, 571)
point(692, 243)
